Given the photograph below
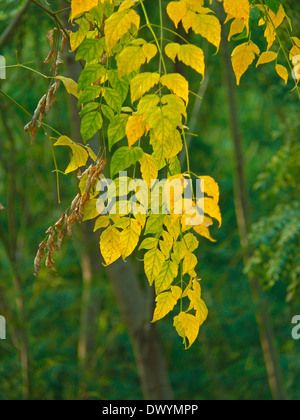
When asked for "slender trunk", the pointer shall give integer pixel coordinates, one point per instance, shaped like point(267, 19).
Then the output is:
point(242, 213)
point(144, 336)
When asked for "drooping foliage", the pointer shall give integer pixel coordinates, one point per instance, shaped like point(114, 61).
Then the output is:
point(141, 117)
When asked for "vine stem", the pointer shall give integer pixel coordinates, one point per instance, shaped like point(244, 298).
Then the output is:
point(161, 34)
point(148, 24)
point(49, 138)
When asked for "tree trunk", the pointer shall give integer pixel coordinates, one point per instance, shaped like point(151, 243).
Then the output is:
point(242, 213)
point(137, 314)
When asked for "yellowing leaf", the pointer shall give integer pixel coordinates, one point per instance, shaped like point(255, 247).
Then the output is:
point(110, 245)
point(81, 6)
point(166, 277)
point(266, 57)
point(80, 155)
point(149, 168)
point(176, 84)
point(142, 83)
point(240, 9)
point(242, 57)
point(90, 210)
point(76, 38)
point(135, 129)
point(153, 263)
point(118, 25)
point(187, 326)
point(101, 223)
point(282, 72)
point(130, 60)
point(129, 238)
point(165, 303)
point(189, 263)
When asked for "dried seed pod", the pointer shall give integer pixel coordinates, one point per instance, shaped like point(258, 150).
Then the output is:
point(50, 263)
point(71, 222)
point(38, 259)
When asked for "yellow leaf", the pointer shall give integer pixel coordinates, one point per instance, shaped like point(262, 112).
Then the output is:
point(110, 245)
point(282, 72)
point(80, 155)
point(142, 83)
point(236, 27)
point(189, 263)
point(150, 51)
point(165, 303)
point(176, 11)
point(135, 129)
point(118, 25)
point(210, 187)
point(197, 303)
point(210, 207)
point(242, 57)
point(240, 9)
point(70, 85)
point(296, 41)
point(202, 230)
point(187, 326)
point(176, 84)
point(127, 4)
point(81, 6)
point(129, 238)
point(149, 168)
point(192, 56)
point(172, 50)
point(206, 25)
point(266, 57)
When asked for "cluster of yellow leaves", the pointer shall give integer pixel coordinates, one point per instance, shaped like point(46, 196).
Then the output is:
point(244, 55)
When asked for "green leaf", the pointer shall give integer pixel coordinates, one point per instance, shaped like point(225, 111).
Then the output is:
point(90, 50)
point(91, 74)
point(274, 5)
point(90, 124)
point(89, 94)
point(121, 85)
point(92, 106)
point(123, 158)
point(166, 277)
point(113, 99)
point(117, 129)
